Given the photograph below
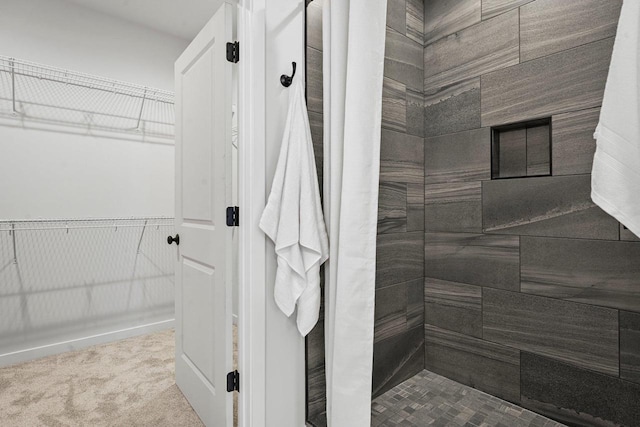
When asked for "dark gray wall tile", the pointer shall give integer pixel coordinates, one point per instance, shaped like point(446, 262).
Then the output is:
point(415, 112)
point(314, 80)
point(394, 105)
point(415, 304)
point(316, 382)
point(392, 207)
point(570, 80)
point(462, 156)
point(415, 217)
point(317, 131)
point(577, 396)
point(403, 59)
point(630, 346)
point(444, 17)
point(415, 20)
point(399, 258)
point(483, 47)
point(455, 206)
point(452, 108)
point(390, 312)
point(491, 8)
point(595, 272)
point(401, 157)
point(512, 154)
point(626, 234)
point(397, 359)
point(314, 24)
point(573, 144)
point(558, 206)
point(538, 151)
point(453, 306)
point(486, 366)
point(397, 15)
point(576, 333)
point(474, 259)
point(550, 26)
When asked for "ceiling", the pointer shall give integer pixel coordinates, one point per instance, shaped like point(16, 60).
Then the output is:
point(179, 18)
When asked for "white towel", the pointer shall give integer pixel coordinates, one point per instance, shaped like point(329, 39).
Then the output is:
point(293, 218)
point(615, 182)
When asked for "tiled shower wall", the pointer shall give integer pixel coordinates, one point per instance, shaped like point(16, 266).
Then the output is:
point(399, 337)
point(531, 292)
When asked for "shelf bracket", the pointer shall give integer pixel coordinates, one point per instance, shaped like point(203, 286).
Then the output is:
point(141, 236)
point(144, 98)
point(13, 86)
point(12, 232)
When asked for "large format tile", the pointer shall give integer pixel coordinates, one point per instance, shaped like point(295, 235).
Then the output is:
point(567, 81)
point(415, 20)
point(399, 258)
point(576, 333)
point(630, 346)
point(453, 306)
point(550, 26)
point(461, 156)
point(394, 105)
point(316, 379)
point(392, 207)
point(573, 144)
point(486, 366)
point(476, 50)
point(415, 112)
point(401, 157)
point(474, 259)
point(314, 80)
point(403, 59)
point(452, 108)
point(415, 207)
point(577, 396)
point(627, 235)
point(455, 206)
point(390, 312)
point(491, 8)
point(397, 15)
point(558, 206)
point(595, 272)
point(444, 17)
point(415, 303)
point(397, 359)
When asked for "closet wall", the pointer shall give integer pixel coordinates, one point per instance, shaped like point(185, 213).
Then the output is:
point(532, 293)
point(399, 339)
point(78, 287)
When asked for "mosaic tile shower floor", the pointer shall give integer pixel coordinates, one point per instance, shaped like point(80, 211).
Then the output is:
point(428, 399)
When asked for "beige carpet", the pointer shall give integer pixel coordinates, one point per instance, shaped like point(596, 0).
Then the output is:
point(126, 383)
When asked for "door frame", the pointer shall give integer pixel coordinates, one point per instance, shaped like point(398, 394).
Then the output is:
point(271, 352)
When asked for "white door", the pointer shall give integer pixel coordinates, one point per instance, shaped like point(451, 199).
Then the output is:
point(203, 191)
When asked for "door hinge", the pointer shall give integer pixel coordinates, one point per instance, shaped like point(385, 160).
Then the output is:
point(233, 216)
point(233, 381)
point(233, 52)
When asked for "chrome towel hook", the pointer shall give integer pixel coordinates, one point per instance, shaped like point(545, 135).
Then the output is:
point(286, 80)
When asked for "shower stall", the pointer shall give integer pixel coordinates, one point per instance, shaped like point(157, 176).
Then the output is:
point(504, 296)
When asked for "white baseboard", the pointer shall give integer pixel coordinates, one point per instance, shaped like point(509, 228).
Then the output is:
point(80, 343)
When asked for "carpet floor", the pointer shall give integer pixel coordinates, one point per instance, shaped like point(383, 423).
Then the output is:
point(125, 383)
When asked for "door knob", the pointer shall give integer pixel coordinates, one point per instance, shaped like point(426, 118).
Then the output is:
point(176, 239)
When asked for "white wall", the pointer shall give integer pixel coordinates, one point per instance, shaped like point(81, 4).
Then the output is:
point(57, 174)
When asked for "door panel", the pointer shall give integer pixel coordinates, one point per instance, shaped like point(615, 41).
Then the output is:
point(203, 191)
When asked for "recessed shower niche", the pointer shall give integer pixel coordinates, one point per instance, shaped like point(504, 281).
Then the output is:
point(521, 149)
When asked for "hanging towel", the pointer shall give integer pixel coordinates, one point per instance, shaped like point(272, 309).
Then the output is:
point(293, 218)
point(615, 182)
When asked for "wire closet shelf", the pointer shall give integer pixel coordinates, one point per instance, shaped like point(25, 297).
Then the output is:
point(54, 96)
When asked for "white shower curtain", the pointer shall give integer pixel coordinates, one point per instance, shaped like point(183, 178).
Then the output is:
point(353, 44)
